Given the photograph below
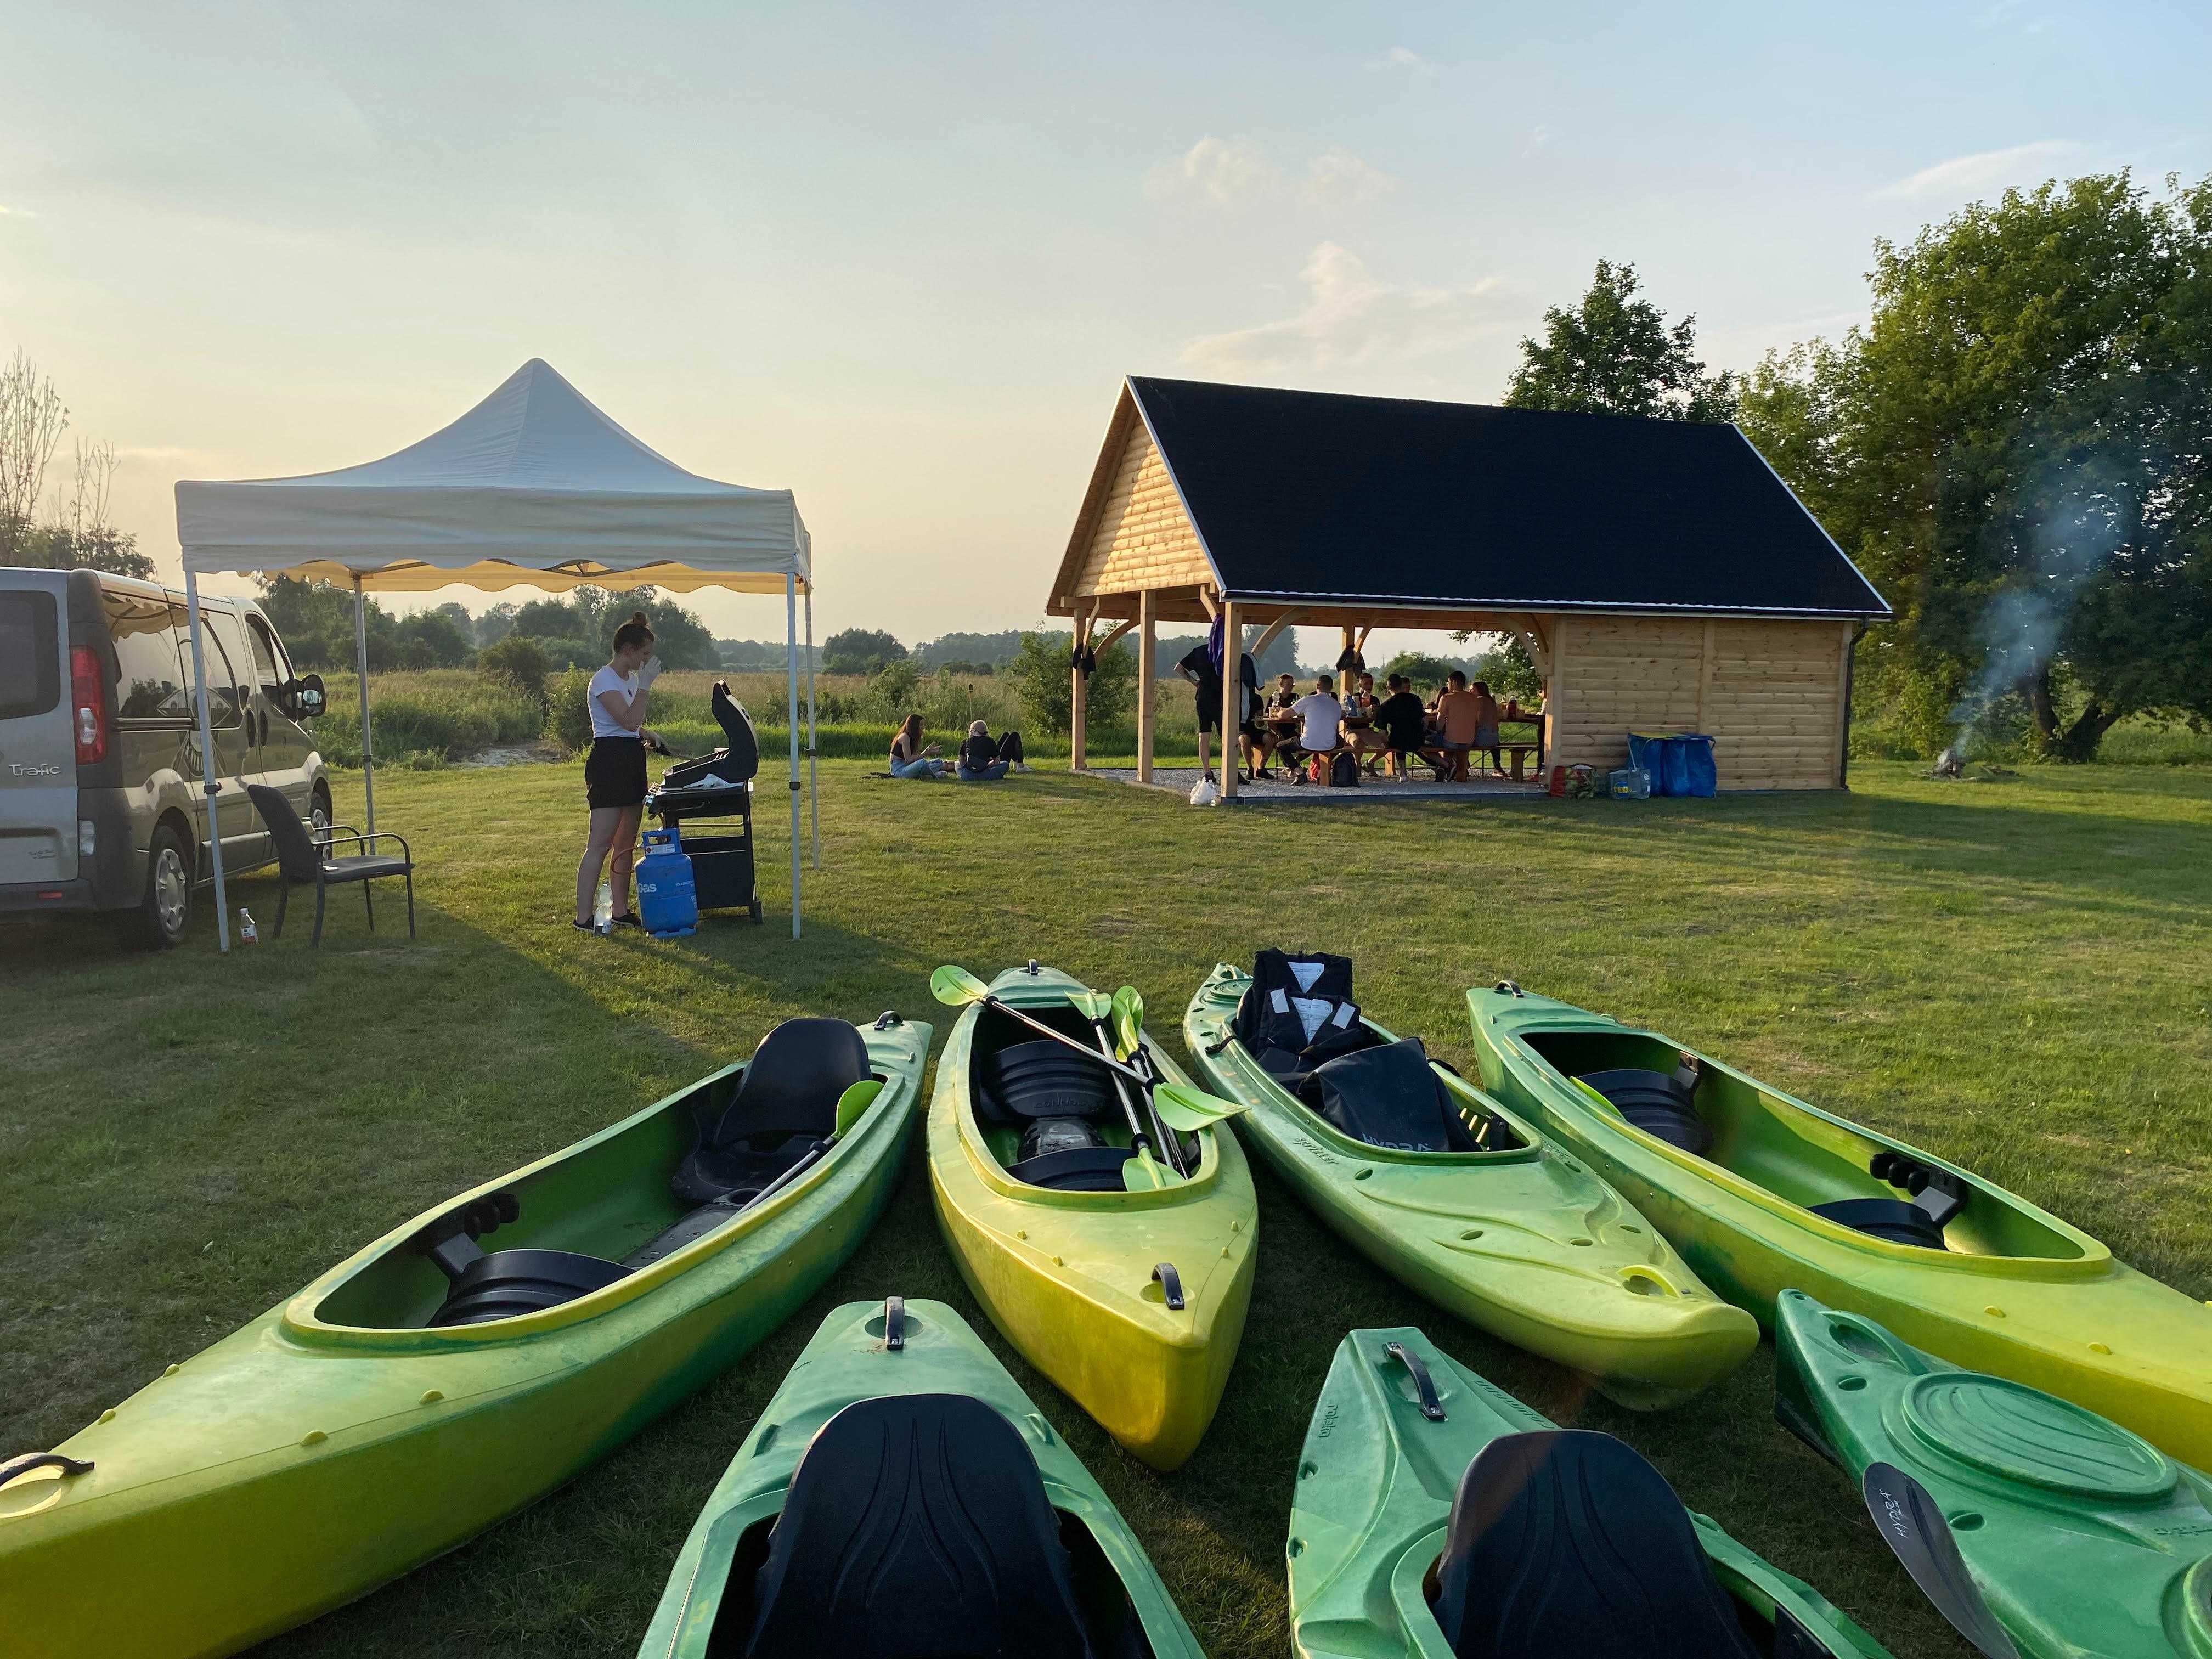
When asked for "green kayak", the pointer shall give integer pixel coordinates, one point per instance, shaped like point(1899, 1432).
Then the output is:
point(1763, 1193)
point(1507, 1232)
point(2082, 1538)
point(901, 1495)
point(1436, 1515)
point(428, 1387)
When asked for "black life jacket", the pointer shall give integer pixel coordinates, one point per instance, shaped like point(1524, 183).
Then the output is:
point(1298, 1010)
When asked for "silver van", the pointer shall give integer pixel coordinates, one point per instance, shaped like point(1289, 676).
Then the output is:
point(102, 802)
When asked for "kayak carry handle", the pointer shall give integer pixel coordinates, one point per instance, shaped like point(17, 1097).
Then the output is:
point(1507, 988)
point(1165, 1276)
point(1431, 1407)
point(889, 1017)
point(894, 1323)
point(29, 1461)
point(1227, 1037)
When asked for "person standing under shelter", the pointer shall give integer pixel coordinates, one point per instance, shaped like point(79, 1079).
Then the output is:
point(1201, 666)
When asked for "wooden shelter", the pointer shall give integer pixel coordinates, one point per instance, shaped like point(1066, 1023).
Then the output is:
point(1661, 574)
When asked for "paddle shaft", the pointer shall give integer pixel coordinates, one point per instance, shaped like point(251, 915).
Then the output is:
point(1166, 1137)
point(1142, 1141)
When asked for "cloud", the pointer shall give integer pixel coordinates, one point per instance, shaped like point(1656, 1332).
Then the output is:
point(1405, 57)
point(1225, 171)
point(1338, 175)
point(1962, 176)
point(1217, 170)
point(1350, 319)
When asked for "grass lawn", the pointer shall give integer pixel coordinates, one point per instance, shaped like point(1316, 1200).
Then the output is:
point(2015, 975)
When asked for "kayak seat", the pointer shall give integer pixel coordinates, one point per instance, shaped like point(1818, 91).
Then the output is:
point(1656, 1103)
point(1388, 1096)
point(1890, 1218)
point(1081, 1170)
point(917, 1527)
point(1043, 1079)
point(504, 1284)
point(1566, 1543)
point(787, 1101)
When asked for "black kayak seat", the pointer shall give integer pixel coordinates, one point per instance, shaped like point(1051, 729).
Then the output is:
point(1890, 1218)
point(1657, 1104)
point(504, 1284)
point(1043, 1079)
point(1388, 1096)
point(1078, 1170)
point(1566, 1544)
point(787, 1100)
point(917, 1527)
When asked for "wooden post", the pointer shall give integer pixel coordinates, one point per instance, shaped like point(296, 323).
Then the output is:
point(1075, 689)
point(1706, 673)
point(1148, 686)
point(1232, 699)
point(1555, 696)
point(1844, 699)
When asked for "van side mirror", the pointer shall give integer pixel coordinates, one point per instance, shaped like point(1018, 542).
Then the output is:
point(303, 697)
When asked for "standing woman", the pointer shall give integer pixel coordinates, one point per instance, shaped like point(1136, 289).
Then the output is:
point(614, 771)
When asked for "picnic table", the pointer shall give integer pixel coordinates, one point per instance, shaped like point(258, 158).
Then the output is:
point(1285, 725)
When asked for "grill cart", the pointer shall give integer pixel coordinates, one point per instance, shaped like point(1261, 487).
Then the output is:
point(716, 786)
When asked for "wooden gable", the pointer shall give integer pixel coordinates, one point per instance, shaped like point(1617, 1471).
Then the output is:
point(1133, 532)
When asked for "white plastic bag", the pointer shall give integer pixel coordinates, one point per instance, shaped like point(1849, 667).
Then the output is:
point(1205, 793)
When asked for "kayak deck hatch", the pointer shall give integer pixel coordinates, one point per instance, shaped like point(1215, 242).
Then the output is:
point(1699, 1109)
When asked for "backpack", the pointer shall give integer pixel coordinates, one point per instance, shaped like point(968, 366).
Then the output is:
point(1316, 769)
point(1344, 770)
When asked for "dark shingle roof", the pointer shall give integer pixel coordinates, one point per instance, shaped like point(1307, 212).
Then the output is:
point(1392, 501)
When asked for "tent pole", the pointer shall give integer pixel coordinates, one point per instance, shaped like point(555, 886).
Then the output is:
point(790, 687)
point(207, 763)
point(813, 786)
point(360, 672)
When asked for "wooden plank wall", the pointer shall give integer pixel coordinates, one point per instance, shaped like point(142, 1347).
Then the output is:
point(1144, 539)
point(1768, 693)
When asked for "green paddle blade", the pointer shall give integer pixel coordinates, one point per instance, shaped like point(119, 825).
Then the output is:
point(1091, 1005)
point(955, 987)
point(855, 1101)
point(1128, 1017)
point(1186, 1109)
point(1141, 1175)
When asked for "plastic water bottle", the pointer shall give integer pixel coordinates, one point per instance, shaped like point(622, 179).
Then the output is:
point(247, 932)
point(603, 909)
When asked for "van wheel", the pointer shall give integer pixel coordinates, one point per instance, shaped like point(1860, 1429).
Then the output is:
point(319, 814)
point(164, 915)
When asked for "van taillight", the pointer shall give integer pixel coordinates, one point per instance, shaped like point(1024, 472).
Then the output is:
point(89, 700)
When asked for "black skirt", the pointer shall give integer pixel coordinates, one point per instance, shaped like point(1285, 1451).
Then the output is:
point(614, 771)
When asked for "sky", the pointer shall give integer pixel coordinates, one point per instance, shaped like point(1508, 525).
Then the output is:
point(897, 258)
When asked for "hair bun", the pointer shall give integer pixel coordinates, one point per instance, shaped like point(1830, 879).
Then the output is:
point(638, 616)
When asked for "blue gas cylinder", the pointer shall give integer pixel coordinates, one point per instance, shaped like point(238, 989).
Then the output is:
point(667, 904)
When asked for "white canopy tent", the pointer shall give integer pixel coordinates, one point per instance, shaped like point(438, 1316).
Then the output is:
point(534, 487)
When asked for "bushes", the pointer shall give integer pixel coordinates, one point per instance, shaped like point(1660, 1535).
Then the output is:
point(448, 713)
point(521, 662)
point(1042, 675)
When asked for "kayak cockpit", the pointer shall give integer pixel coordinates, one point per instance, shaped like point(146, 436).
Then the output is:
point(1808, 1159)
point(890, 1542)
point(1048, 1116)
point(618, 1204)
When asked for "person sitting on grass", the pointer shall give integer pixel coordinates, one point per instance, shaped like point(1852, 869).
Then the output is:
point(1320, 718)
point(1403, 723)
point(983, 760)
point(911, 756)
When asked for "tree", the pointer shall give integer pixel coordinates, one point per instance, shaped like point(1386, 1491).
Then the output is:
point(1042, 675)
point(518, 660)
point(860, 651)
point(2015, 449)
point(431, 638)
point(496, 623)
point(32, 419)
point(549, 619)
point(1420, 669)
point(1614, 354)
point(317, 622)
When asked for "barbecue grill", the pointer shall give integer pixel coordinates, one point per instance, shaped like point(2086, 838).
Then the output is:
point(716, 786)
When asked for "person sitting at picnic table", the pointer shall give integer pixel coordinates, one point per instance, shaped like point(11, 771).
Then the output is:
point(1403, 723)
point(1485, 726)
point(910, 757)
point(1458, 719)
point(1281, 722)
point(1361, 734)
point(983, 759)
point(1320, 719)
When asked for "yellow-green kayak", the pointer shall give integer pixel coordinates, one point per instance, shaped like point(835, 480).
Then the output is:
point(1515, 1235)
point(1081, 1279)
point(1763, 1193)
point(429, 1385)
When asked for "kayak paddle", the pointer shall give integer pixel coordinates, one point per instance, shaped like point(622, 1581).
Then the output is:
point(1911, 1523)
point(955, 987)
point(1127, 1011)
point(1141, 1173)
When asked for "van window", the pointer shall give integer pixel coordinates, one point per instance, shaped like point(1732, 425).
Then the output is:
point(225, 690)
point(266, 653)
point(30, 659)
point(149, 684)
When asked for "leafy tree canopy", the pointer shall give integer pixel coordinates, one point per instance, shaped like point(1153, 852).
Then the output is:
point(1043, 674)
point(860, 651)
point(1614, 354)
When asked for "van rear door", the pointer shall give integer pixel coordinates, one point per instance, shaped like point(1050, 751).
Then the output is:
point(38, 751)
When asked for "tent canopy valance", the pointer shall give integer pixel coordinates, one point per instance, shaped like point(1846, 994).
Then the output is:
point(534, 487)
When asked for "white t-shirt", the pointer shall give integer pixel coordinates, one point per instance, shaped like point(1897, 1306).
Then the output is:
point(1321, 713)
point(623, 685)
